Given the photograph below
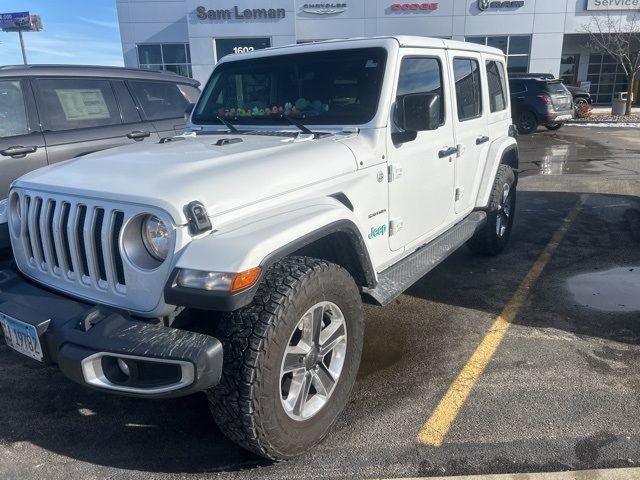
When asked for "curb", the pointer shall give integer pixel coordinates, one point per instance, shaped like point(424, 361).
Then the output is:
point(608, 474)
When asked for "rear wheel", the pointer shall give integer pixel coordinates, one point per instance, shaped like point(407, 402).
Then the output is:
point(527, 122)
point(290, 358)
point(493, 237)
point(553, 126)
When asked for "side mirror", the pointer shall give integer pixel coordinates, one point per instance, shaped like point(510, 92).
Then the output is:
point(418, 112)
point(188, 110)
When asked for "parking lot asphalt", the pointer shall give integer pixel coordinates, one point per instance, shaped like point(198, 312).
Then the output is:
point(561, 391)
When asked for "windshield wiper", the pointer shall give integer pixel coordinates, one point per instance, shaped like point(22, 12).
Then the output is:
point(301, 126)
point(229, 125)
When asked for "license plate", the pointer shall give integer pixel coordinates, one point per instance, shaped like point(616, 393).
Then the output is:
point(22, 337)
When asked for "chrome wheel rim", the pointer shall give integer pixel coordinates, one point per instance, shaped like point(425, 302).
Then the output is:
point(504, 211)
point(313, 361)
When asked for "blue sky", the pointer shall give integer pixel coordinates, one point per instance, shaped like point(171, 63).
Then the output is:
point(75, 31)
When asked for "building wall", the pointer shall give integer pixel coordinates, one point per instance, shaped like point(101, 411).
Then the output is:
point(162, 21)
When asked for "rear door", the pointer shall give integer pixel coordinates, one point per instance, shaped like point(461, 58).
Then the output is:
point(470, 124)
point(163, 103)
point(81, 116)
point(22, 147)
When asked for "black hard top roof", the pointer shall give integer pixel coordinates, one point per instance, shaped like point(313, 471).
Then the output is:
point(92, 71)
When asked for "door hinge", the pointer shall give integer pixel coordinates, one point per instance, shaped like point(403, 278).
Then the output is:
point(459, 193)
point(395, 225)
point(395, 172)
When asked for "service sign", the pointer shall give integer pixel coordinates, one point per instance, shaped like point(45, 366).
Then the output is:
point(15, 20)
point(613, 4)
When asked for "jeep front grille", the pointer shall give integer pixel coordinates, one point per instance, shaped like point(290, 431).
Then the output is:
point(73, 240)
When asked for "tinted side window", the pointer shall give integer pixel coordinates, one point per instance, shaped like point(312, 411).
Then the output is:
point(517, 86)
point(72, 103)
point(160, 100)
point(467, 77)
point(495, 81)
point(421, 75)
point(13, 115)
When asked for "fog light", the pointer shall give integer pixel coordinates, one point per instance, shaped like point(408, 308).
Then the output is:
point(124, 368)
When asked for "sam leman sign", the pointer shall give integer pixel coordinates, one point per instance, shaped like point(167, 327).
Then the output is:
point(613, 4)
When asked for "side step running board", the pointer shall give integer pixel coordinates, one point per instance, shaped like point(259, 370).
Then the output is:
point(397, 278)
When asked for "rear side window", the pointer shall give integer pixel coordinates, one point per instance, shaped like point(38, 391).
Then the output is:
point(517, 86)
point(496, 84)
point(421, 75)
point(73, 103)
point(467, 77)
point(159, 100)
point(13, 115)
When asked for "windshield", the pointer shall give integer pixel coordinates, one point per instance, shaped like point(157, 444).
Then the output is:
point(339, 87)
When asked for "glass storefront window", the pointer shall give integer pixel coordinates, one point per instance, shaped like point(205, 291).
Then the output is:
point(568, 68)
point(605, 77)
point(516, 47)
point(172, 57)
point(501, 43)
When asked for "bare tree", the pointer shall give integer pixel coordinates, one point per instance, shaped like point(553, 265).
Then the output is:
point(618, 36)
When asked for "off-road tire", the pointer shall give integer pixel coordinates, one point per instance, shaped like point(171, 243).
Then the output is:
point(527, 122)
point(554, 126)
point(246, 404)
point(487, 241)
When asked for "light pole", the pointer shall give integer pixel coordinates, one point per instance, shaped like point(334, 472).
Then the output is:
point(24, 52)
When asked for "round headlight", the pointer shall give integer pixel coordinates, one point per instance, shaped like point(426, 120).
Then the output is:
point(155, 236)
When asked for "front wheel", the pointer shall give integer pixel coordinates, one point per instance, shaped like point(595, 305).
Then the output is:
point(493, 237)
point(290, 358)
point(553, 126)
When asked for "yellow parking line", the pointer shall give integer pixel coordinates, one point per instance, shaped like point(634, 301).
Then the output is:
point(438, 425)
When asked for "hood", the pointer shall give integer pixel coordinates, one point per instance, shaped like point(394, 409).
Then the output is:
point(223, 177)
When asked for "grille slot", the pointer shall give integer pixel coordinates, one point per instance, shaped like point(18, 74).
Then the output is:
point(74, 241)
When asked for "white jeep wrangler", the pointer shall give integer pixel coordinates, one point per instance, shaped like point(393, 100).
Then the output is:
point(234, 259)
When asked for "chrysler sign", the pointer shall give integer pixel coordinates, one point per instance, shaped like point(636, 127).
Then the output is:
point(324, 8)
point(613, 4)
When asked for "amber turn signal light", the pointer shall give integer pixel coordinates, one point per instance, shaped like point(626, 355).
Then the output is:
point(245, 279)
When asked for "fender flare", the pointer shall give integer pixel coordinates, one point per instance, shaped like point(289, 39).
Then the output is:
point(262, 241)
point(499, 150)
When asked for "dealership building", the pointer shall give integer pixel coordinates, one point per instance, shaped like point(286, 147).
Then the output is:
point(546, 36)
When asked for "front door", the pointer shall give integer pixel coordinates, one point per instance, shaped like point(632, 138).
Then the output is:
point(421, 179)
point(21, 142)
point(471, 127)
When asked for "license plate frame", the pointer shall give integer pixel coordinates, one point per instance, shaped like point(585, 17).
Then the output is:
point(22, 337)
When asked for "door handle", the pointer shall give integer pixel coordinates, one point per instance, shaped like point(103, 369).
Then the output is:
point(481, 140)
point(447, 152)
point(18, 151)
point(138, 135)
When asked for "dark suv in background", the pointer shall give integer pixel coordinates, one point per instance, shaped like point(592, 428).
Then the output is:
point(539, 101)
point(51, 113)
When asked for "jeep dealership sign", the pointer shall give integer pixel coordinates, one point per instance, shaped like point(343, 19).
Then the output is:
point(613, 4)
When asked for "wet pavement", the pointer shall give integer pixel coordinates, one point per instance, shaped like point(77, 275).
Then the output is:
point(561, 393)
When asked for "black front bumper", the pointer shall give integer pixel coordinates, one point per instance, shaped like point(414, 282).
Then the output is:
point(165, 362)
